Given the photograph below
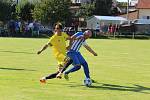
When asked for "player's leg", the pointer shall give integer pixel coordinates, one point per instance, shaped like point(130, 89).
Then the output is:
point(76, 63)
point(84, 64)
point(73, 69)
point(51, 76)
point(67, 62)
point(85, 68)
point(54, 75)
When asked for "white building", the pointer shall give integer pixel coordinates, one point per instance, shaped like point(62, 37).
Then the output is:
point(133, 2)
point(94, 21)
point(80, 1)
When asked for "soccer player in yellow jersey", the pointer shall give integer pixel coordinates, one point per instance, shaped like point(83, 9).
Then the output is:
point(58, 44)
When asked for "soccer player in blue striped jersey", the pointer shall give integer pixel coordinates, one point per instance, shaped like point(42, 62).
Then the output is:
point(77, 40)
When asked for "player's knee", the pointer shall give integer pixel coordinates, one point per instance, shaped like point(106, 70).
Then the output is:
point(85, 63)
point(78, 66)
point(70, 61)
point(60, 67)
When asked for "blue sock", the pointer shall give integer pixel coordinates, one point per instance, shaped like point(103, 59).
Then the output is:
point(73, 69)
point(86, 69)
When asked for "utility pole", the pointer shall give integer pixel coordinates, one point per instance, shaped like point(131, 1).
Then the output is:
point(127, 10)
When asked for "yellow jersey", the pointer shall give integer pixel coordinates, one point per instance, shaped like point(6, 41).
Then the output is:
point(59, 46)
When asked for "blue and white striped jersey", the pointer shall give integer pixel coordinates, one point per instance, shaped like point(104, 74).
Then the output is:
point(76, 44)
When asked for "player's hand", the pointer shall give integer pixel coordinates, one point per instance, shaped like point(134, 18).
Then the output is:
point(38, 52)
point(95, 54)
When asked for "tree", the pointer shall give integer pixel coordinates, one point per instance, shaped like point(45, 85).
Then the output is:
point(86, 10)
point(103, 7)
point(24, 10)
point(115, 10)
point(52, 11)
point(6, 6)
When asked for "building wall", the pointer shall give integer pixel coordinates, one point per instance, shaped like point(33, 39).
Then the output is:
point(133, 2)
point(92, 23)
point(144, 13)
point(131, 15)
point(80, 1)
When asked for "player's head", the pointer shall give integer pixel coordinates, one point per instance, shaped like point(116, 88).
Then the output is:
point(87, 34)
point(58, 27)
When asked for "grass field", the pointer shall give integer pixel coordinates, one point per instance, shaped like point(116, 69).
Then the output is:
point(122, 71)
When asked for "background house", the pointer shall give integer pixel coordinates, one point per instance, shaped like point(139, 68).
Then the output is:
point(94, 20)
point(132, 15)
point(143, 7)
point(81, 1)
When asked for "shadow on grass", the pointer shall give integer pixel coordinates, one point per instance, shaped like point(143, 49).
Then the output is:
point(17, 69)
point(7, 51)
point(103, 86)
point(134, 88)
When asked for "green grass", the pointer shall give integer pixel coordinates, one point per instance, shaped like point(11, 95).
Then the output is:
point(122, 71)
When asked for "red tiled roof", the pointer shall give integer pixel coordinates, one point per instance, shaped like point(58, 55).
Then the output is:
point(143, 4)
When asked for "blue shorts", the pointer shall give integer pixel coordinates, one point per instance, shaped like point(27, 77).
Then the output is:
point(76, 57)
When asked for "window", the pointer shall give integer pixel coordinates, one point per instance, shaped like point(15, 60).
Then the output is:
point(77, 1)
point(145, 17)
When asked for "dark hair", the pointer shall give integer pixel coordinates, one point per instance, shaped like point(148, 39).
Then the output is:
point(59, 24)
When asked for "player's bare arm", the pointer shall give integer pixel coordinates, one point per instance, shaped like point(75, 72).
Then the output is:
point(70, 44)
point(68, 38)
point(43, 48)
point(90, 50)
